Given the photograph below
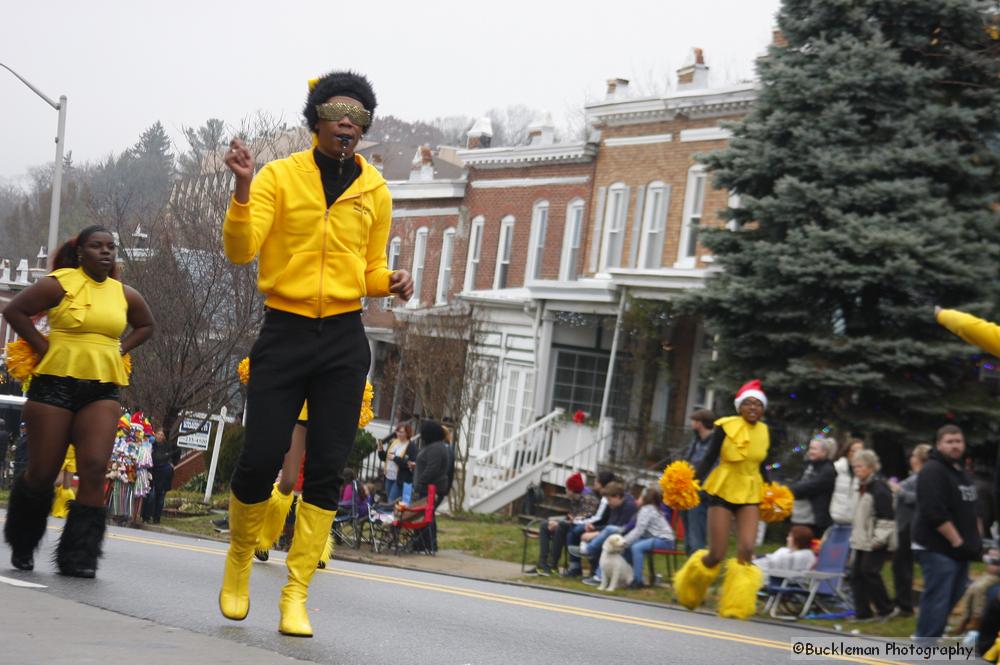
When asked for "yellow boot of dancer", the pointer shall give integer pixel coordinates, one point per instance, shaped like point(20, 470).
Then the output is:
point(312, 528)
point(739, 589)
point(693, 579)
point(245, 521)
point(278, 506)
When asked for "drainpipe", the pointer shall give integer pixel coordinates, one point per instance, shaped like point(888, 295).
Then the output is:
point(611, 366)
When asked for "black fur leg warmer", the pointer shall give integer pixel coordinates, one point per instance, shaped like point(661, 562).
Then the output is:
point(27, 514)
point(80, 543)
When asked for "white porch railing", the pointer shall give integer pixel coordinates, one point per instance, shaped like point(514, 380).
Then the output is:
point(585, 459)
point(494, 479)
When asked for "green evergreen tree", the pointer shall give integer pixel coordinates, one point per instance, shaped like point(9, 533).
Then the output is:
point(868, 185)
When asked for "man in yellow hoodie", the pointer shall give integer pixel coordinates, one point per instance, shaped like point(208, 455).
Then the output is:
point(319, 222)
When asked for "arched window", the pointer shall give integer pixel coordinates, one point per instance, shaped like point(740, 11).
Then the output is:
point(419, 254)
point(475, 249)
point(694, 204)
point(572, 240)
point(654, 225)
point(504, 249)
point(615, 214)
point(536, 244)
point(444, 268)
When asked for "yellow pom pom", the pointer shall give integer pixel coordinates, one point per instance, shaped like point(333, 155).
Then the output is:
point(680, 487)
point(20, 359)
point(366, 406)
point(243, 369)
point(127, 361)
point(776, 505)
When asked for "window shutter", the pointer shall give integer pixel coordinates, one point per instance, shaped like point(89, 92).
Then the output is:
point(595, 236)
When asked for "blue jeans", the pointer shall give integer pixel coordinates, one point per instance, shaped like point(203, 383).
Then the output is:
point(395, 489)
point(595, 545)
point(574, 539)
point(636, 554)
point(945, 580)
point(695, 527)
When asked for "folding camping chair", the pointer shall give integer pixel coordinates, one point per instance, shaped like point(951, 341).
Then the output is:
point(824, 586)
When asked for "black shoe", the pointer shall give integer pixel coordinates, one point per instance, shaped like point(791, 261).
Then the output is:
point(262, 555)
point(635, 585)
point(25, 562)
point(573, 572)
point(80, 543)
point(541, 571)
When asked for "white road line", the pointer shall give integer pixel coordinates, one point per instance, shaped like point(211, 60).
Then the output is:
point(27, 585)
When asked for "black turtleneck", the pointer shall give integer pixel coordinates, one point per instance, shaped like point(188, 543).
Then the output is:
point(337, 176)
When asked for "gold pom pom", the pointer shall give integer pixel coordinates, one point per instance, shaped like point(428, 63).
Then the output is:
point(680, 487)
point(20, 359)
point(243, 369)
point(127, 361)
point(776, 505)
point(366, 406)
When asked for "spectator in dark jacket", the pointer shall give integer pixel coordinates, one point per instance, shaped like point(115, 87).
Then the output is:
point(433, 462)
point(906, 506)
point(621, 509)
point(696, 519)
point(166, 455)
point(813, 490)
point(945, 531)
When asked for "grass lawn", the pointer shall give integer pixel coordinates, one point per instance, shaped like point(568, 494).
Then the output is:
point(482, 535)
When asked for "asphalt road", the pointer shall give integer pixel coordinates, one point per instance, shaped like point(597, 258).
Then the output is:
point(155, 601)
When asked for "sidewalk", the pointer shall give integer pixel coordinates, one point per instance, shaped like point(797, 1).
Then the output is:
point(93, 635)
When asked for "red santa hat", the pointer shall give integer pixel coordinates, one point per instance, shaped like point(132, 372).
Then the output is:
point(575, 483)
point(750, 389)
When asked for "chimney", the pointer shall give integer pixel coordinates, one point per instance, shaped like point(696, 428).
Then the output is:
point(617, 89)
point(422, 167)
point(693, 75)
point(5, 272)
point(22, 272)
point(41, 258)
point(542, 130)
point(377, 162)
point(480, 135)
point(778, 38)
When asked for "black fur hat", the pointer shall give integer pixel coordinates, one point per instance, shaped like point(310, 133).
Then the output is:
point(349, 84)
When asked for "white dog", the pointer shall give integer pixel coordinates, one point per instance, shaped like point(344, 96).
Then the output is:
point(615, 570)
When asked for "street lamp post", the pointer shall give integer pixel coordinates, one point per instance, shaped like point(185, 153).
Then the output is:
point(57, 176)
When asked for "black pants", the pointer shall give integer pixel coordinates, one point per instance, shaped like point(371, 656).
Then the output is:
point(296, 359)
point(902, 572)
point(551, 544)
point(152, 505)
point(867, 584)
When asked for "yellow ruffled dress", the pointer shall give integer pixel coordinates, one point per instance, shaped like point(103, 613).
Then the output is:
point(737, 477)
point(85, 328)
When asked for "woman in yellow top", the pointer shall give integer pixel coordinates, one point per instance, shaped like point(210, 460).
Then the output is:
point(319, 222)
point(73, 394)
point(734, 489)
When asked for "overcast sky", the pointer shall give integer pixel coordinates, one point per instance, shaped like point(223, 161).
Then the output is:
point(124, 65)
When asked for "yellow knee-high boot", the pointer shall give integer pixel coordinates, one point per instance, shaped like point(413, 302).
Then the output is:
point(245, 520)
point(60, 503)
point(312, 528)
point(278, 506)
point(693, 579)
point(739, 589)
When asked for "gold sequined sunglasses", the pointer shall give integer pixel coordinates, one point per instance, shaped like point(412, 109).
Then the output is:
point(337, 110)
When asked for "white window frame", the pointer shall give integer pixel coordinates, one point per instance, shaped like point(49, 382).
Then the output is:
point(475, 251)
point(572, 240)
point(694, 210)
point(419, 258)
point(654, 225)
point(536, 246)
point(444, 267)
point(505, 247)
point(615, 217)
point(392, 262)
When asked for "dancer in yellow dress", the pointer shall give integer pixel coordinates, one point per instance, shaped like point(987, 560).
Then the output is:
point(734, 489)
point(74, 394)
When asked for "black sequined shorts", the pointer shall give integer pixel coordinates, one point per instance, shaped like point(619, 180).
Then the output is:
point(69, 393)
point(717, 501)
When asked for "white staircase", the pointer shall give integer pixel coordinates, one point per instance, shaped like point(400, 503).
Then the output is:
point(503, 474)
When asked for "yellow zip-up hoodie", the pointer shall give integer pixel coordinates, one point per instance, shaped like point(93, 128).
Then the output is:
point(314, 261)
